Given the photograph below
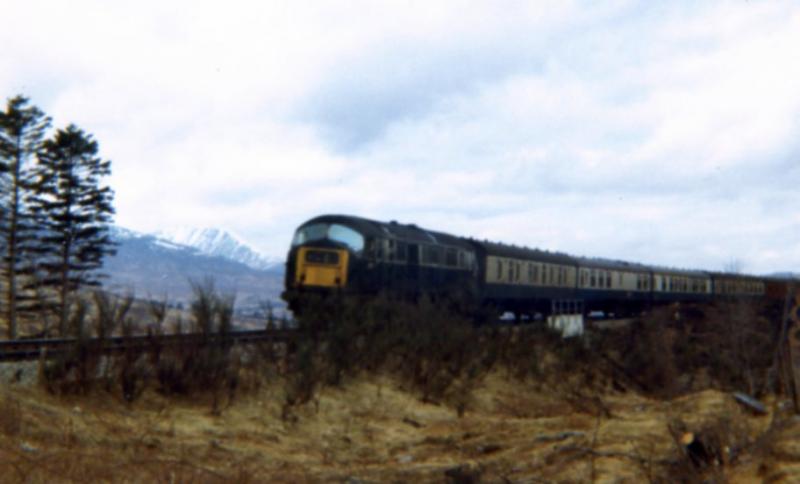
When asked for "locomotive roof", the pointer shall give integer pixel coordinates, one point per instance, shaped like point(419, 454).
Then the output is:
point(393, 230)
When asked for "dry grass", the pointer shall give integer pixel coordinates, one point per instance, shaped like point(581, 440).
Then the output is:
point(370, 429)
point(405, 395)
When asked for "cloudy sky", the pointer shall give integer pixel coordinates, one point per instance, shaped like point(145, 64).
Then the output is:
point(659, 132)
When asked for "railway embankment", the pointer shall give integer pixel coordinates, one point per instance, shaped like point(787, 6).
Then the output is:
point(390, 392)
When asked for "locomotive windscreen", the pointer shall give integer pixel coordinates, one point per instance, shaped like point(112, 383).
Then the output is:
point(336, 232)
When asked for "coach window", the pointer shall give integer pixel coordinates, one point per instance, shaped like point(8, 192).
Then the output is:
point(499, 269)
point(593, 278)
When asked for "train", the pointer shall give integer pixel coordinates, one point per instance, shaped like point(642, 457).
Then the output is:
point(350, 256)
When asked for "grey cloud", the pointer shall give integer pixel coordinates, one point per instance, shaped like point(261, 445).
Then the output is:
point(365, 96)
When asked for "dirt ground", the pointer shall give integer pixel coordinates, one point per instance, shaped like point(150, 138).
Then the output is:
point(371, 430)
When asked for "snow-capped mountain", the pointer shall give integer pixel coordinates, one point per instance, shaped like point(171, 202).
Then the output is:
point(216, 242)
point(148, 265)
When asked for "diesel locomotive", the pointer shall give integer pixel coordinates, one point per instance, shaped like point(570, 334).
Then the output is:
point(353, 256)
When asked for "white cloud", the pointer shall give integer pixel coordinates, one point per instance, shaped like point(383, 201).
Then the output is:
point(664, 133)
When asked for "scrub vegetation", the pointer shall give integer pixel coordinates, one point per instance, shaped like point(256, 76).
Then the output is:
point(382, 390)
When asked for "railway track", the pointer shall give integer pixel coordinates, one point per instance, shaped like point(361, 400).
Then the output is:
point(31, 349)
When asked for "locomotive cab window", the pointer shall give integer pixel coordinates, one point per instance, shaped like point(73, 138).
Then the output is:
point(309, 233)
point(335, 232)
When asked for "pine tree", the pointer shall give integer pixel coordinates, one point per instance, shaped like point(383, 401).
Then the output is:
point(74, 211)
point(22, 128)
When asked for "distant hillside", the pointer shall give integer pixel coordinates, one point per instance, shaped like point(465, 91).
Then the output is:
point(153, 267)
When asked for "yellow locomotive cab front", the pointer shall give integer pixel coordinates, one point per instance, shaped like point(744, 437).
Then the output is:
point(321, 267)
